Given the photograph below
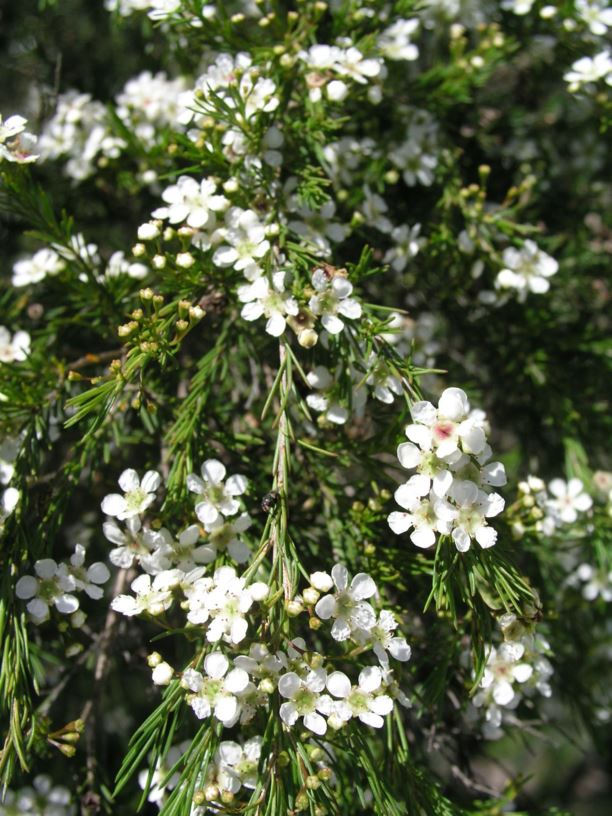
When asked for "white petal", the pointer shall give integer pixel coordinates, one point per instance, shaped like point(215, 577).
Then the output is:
point(98, 573)
point(289, 684)
point(423, 537)
point(67, 604)
point(288, 713)
point(315, 723)
point(213, 471)
point(326, 607)
point(45, 568)
point(423, 412)
point(332, 323)
point(362, 586)
point(370, 678)
point(226, 709)
point(206, 513)
point(236, 681)
point(340, 630)
point(340, 575)
point(338, 684)
point(409, 455)
point(236, 485)
point(383, 704)
point(113, 505)
point(215, 665)
point(453, 404)
point(400, 522)
point(151, 481)
point(373, 720)
point(129, 480)
point(26, 587)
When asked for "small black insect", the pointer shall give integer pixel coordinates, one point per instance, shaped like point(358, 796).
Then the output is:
point(269, 501)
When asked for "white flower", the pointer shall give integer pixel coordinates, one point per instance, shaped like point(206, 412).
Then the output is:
point(448, 428)
point(333, 298)
point(384, 384)
point(589, 70)
point(394, 42)
point(526, 270)
point(316, 227)
point(305, 699)
point(244, 242)
point(321, 379)
point(348, 605)
point(468, 517)
point(52, 585)
point(595, 583)
point(194, 203)
point(421, 516)
point(180, 552)
point(217, 498)
point(270, 301)
point(87, 579)
point(118, 264)
point(215, 691)
point(133, 543)
point(503, 669)
point(236, 765)
point(595, 14)
point(138, 495)
point(33, 270)
point(569, 500)
point(224, 536)
point(15, 143)
point(360, 701)
point(407, 246)
point(13, 348)
point(154, 598)
point(381, 639)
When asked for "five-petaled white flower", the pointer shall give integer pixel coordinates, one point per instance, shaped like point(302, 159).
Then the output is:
point(214, 692)
point(361, 701)
point(138, 495)
point(348, 605)
point(52, 586)
point(333, 300)
point(217, 498)
point(268, 300)
point(305, 699)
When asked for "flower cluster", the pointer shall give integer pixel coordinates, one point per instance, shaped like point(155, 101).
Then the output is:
point(515, 671)
point(551, 508)
point(41, 798)
point(54, 585)
point(450, 493)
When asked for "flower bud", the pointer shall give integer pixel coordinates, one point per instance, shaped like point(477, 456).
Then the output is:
point(315, 623)
point(294, 608)
point(147, 232)
point(185, 260)
point(138, 250)
point(162, 674)
point(308, 338)
point(311, 596)
point(159, 261)
point(211, 792)
point(313, 782)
